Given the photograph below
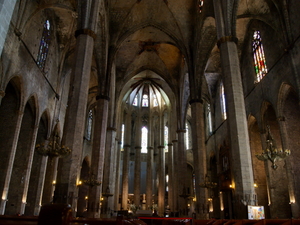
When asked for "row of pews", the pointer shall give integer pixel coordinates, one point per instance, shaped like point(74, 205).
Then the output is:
point(61, 214)
point(34, 220)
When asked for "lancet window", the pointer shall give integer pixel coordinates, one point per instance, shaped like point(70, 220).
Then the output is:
point(260, 65)
point(44, 45)
point(144, 139)
point(223, 101)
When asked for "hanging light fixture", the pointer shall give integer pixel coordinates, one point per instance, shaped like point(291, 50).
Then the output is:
point(271, 152)
point(91, 181)
point(207, 183)
point(53, 148)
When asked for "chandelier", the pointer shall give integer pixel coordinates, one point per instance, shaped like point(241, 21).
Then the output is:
point(207, 183)
point(91, 181)
point(271, 152)
point(53, 148)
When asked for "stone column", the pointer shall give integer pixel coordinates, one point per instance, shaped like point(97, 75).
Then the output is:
point(9, 169)
point(199, 151)
point(117, 177)
point(98, 156)
point(293, 192)
point(175, 196)
point(28, 170)
point(109, 165)
point(137, 165)
point(69, 167)
point(149, 187)
point(126, 158)
point(242, 173)
point(170, 163)
point(161, 180)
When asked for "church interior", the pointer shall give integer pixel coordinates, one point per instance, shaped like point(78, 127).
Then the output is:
point(185, 108)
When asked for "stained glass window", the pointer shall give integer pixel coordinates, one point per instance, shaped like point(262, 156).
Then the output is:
point(122, 137)
point(145, 101)
point(187, 136)
point(144, 139)
point(209, 122)
point(155, 102)
point(166, 138)
point(89, 125)
point(260, 65)
point(44, 45)
point(135, 101)
point(200, 5)
point(223, 102)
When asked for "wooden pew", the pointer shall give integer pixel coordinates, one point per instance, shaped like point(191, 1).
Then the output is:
point(18, 220)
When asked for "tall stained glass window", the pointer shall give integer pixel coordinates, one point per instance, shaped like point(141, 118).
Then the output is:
point(166, 138)
point(259, 57)
point(89, 125)
point(122, 137)
point(135, 101)
point(155, 102)
point(223, 101)
point(145, 101)
point(144, 139)
point(44, 45)
point(209, 121)
point(187, 136)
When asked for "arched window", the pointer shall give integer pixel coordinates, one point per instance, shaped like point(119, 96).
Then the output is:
point(89, 125)
point(208, 118)
point(144, 139)
point(135, 101)
point(223, 102)
point(166, 137)
point(145, 101)
point(44, 45)
point(122, 137)
point(187, 136)
point(260, 65)
point(155, 102)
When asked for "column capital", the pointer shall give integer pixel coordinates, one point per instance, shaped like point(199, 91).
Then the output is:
point(102, 97)
point(227, 39)
point(196, 100)
point(175, 141)
point(126, 146)
point(149, 147)
point(138, 147)
point(86, 32)
point(160, 146)
point(170, 144)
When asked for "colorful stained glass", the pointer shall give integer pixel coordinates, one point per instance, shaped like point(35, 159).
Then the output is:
point(166, 138)
point(145, 101)
point(89, 125)
point(260, 65)
point(44, 45)
point(135, 101)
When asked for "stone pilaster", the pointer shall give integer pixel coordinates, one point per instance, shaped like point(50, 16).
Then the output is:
point(2, 94)
point(137, 165)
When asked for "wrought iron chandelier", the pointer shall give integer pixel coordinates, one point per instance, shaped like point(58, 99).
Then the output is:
point(53, 148)
point(271, 152)
point(208, 184)
point(91, 181)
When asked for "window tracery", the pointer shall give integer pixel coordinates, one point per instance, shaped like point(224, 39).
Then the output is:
point(260, 65)
point(44, 45)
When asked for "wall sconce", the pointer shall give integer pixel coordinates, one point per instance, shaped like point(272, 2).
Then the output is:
point(53, 182)
point(255, 185)
point(79, 183)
